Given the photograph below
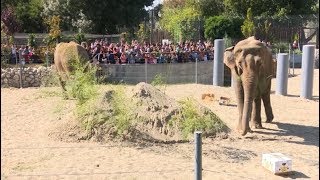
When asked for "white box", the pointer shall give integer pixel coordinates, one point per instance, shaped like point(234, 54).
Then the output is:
point(277, 163)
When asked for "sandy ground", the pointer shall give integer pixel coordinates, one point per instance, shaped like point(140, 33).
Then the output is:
point(27, 152)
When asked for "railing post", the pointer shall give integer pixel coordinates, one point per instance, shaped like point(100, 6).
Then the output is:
point(198, 155)
point(196, 73)
point(307, 67)
point(282, 74)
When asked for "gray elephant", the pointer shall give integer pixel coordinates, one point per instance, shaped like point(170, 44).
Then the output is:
point(251, 66)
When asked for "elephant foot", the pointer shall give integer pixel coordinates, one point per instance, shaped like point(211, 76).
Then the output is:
point(256, 125)
point(269, 118)
point(244, 132)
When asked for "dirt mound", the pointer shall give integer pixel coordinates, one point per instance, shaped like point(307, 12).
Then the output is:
point(154, 110)
point(143, 113)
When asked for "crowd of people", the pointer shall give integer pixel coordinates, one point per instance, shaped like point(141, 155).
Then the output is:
point(24, 52)
point(103, 52)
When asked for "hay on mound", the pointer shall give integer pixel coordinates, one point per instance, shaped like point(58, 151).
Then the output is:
point(148, 115)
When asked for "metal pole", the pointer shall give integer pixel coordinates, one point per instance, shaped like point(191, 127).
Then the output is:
point(146, 69)
point(282, 74)
point(196, 70)
point(21, 69)
point(47, 58)
point(289, 56)
point(307, 71)
point(198, 154)
point(293, 63)
point(218, 67)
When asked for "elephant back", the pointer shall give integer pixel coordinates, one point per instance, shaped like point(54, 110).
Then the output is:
point(66, 55)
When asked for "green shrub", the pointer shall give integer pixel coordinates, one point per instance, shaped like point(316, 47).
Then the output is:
point(32, 40)
point(79, 37)
point(82, 82)
point(191, 118)
point(217, 27)
point(282, 46)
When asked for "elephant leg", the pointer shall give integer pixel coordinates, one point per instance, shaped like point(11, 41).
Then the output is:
point(63, 86)
point(267, 106)
point(240, 100)
point(256, 113)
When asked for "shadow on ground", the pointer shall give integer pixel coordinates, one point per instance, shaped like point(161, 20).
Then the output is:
point(295, 175)
point(310, 134)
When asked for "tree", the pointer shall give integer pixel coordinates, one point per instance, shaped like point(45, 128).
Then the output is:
point(221, 26)
point(55, 31)
point(29, 15)
point(180, 18)
point(210, 8)
point(65, 9)
point(248, 28)
point(142, 33)
point(9, 21)
point(269, 7)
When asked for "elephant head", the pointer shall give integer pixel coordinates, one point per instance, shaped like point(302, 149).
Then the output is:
point(247, 61)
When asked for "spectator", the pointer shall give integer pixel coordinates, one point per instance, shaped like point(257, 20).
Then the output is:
point(26, 54)
point(14, 54)
point(295, 45)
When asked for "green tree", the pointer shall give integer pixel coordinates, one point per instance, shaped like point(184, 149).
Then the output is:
point(143, 34)
point(210, 8)
point(269, 7)
point(248, 29)
point(220, 26)
point(55, 31)
point(179, 18)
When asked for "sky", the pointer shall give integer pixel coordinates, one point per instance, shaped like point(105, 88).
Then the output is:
point(155, 3)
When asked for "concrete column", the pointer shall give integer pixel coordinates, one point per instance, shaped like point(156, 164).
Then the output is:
point(218, 67)
point(307, 67)
point(282, 74)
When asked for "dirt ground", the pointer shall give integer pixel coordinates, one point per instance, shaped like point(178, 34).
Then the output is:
point(27, 152)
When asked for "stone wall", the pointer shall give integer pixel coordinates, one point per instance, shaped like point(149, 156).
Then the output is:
point(31, 76)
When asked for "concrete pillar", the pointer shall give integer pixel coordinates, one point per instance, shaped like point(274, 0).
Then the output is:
point(282, 74)
point(307, 67)
point(218, 67)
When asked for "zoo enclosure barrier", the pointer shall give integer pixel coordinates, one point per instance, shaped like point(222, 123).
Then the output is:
point(199, 72)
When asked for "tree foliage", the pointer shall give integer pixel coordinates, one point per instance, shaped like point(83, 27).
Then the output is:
point(55, 31)
point(217, 27)
point(179, 18)
point(9, 24)
point(269, 7)
point(248, 29)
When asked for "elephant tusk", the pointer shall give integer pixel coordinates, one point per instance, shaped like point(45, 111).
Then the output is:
point(269, 76)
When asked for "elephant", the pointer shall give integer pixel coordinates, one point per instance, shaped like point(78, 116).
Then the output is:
point(65, 57)
point(251, 65)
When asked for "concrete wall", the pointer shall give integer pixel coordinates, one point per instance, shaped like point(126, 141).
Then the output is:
point(172, 73)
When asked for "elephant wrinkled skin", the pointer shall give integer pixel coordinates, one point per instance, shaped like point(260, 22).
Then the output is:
point(251, 66)
point(65, 56)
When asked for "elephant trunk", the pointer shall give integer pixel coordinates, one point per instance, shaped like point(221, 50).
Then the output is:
point(248, 88)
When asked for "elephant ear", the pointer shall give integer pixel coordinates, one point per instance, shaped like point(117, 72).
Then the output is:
point(229, 59)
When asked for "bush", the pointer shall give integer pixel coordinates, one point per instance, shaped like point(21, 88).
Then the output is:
point(282, 46)
point(79, 37)
point(219, 26)
point(192, 118)
point(32, 40)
